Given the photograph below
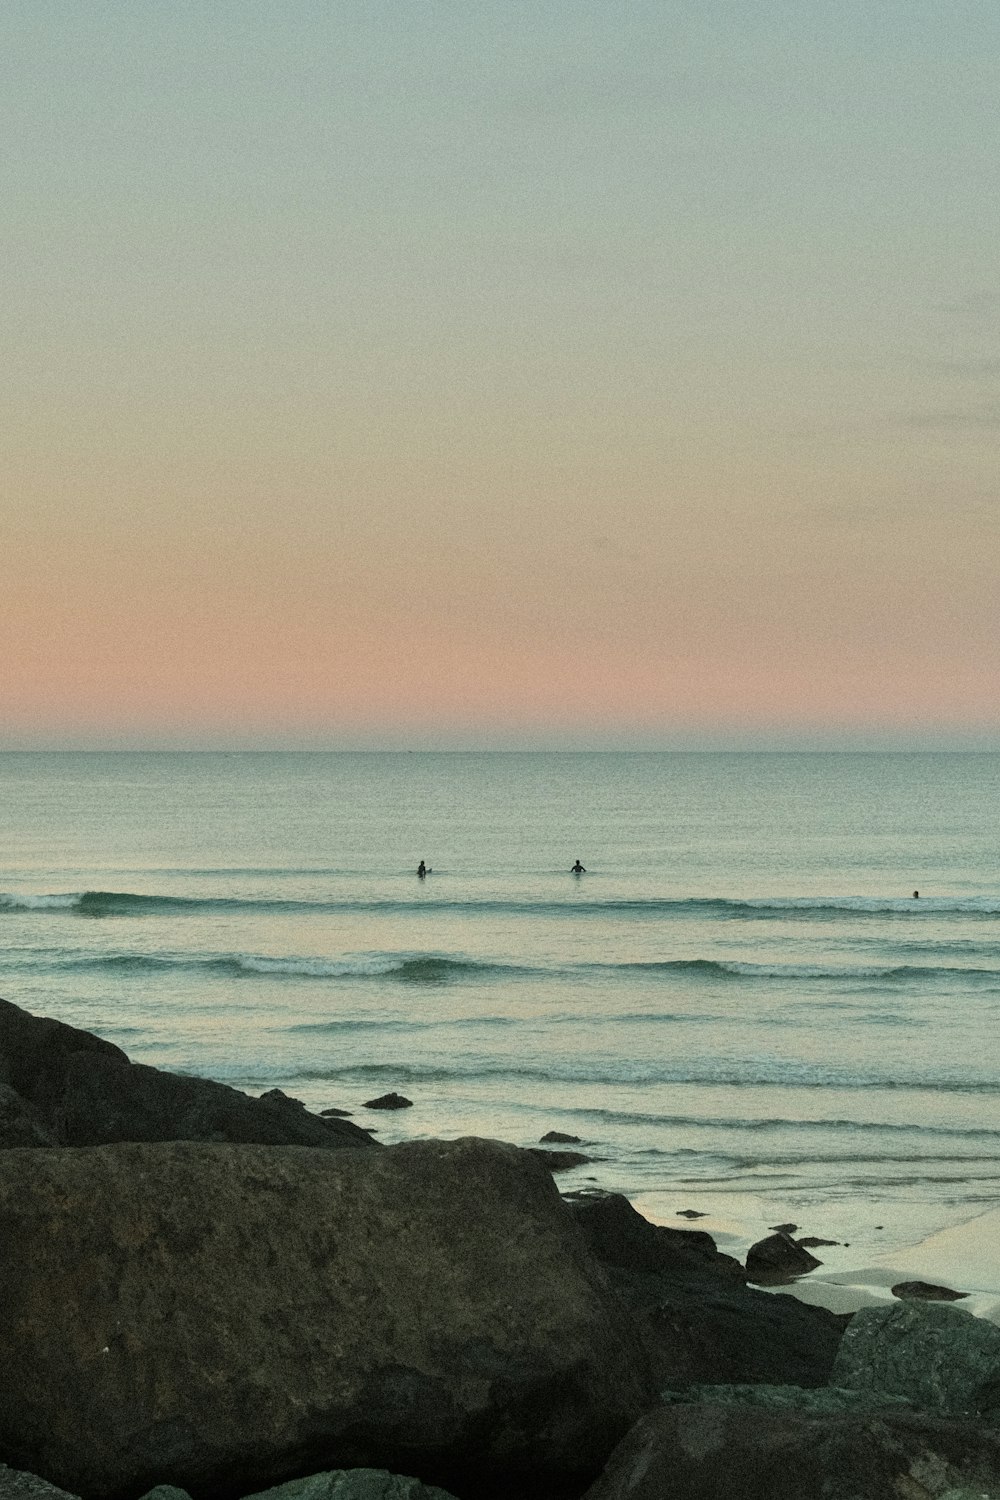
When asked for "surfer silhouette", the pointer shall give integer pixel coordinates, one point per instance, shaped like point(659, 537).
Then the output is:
point(422, 870)
point(916, 895)
point(578, 869)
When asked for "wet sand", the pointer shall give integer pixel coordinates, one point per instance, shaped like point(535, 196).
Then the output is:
point(877, 1255)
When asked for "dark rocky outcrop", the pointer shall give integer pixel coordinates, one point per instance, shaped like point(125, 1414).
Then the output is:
point(926, 1291)
point(700, 1322)
point(75, 1089)
point(941, 1358)
point(747, 1453)
point(224, 1317)
point(559, 1138)
point(560, 1161)
point(779, 1258)
point(389, 1101)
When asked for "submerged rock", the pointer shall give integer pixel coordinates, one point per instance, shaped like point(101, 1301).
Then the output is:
point(219, 1317)
point(389, 1101)
point(941, 1358)
point(82, 1091)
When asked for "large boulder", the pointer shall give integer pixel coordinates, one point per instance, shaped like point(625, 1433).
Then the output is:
point(941, 1358)
point(749, 1453)
point(700, 1322)
point(76, 1089)
point(225, 1318)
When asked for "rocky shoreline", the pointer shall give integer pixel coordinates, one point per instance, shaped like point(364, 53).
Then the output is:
point(231, 1296)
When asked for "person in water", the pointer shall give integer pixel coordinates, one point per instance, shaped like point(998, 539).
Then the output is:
point(578, 869)
point(422, 870)
point(916, 895)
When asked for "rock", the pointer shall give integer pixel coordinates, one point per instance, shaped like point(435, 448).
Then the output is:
point(619, 1236)
point(559, 1138)
point(690, 1213)
point(926, 1291)
point(941, 1358)
point(83, 1091)
point(166, 1492)
point(282, 1100)
point(335, 1114)
point(15, 1484)
point(354, 1484)
point(814, 1401)
point(691, 1452)
point(699, 1321)
point(560, 1161)
point(811, 1242)
point(220, 1317)
point(777, 1259)
point(19, 1123)
point(389, 1101)
point(783, 1228)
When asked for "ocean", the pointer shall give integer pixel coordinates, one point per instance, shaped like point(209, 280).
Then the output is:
point(740, 1008)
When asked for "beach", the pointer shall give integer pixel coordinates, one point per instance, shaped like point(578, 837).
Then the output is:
point(964, 1256)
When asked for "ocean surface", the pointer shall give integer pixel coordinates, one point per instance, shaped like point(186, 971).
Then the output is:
point(740, 1008)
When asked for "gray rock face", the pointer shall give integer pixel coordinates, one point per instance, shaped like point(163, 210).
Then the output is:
point(224, 1317)
point(17, 1485)
point(76, 1089)
point(355, 1484)
point(941, 1358)
point(700, 1322)
point(748, 1453)
point(815, 1401)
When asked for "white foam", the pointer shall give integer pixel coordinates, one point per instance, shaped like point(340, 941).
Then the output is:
point(27, 901)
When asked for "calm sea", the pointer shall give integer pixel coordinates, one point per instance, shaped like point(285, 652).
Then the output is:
point(740, 1002)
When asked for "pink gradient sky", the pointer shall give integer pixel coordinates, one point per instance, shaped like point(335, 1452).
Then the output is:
point(578, 376)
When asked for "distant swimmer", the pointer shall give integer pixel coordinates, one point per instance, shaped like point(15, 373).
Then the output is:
point(578, 869)
point(422, 870)
point(916, 895)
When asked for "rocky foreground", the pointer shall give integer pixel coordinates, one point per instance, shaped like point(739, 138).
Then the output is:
point(233, 1296)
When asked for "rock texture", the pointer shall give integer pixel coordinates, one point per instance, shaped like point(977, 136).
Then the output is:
point(74, 1089)
point(926, 1291)
point(17, 1485)
point(355, 1484)
point(747, 1453)
point(226, 1317)
point(940, 1357)
point(779, 1258)
point(700, 1322)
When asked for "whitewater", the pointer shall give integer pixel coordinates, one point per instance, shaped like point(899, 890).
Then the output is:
point(741, 1008)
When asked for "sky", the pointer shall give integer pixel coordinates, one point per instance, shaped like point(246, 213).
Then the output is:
point(533, 373)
